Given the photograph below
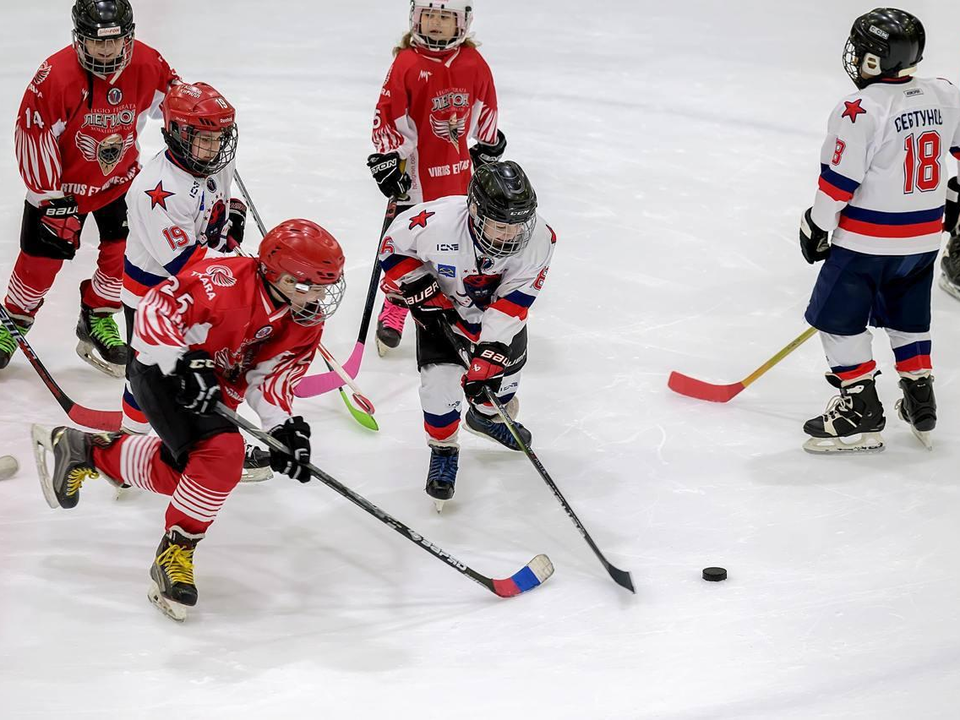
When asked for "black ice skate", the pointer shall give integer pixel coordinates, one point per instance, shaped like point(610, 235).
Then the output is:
point(494, 428)
point(8, 343)
point(100, 343)
point(855, 415)
point(918, 407)
point(949, 280)
point(72, 462)
point(442, 475)
point(390, 327)
point(172, 588)
point(256, 465)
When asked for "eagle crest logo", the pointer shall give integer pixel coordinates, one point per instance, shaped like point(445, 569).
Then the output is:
point(221, 276)
point(450, 129)
point(42, 73)
point(107, 152)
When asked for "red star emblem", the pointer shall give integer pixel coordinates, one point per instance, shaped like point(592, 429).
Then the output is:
point(158, 196)
point(853, 109)
point(420, 220)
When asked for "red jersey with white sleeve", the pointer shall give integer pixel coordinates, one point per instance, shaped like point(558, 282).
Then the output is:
point(885, 165)
point(222, 306)
point(492, 296)
point(431, 103)
point(76, 133)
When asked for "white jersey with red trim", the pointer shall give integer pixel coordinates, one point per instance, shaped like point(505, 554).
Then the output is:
point(492, 295)
point(173, 215)
point(222, 306)
point(885, 165)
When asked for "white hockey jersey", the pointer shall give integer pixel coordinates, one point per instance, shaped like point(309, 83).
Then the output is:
point(492, 295)
point(885, 165)
point(173, 215)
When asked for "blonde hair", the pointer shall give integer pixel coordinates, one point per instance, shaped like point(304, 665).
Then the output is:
point(407, 42)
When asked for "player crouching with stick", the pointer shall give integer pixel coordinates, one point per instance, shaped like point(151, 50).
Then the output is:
point(226, 329)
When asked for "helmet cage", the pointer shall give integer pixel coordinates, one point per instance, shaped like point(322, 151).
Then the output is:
point(462, 11)
point(500, 238)
point(104, 68)
point(180, 138)
point(308, 312)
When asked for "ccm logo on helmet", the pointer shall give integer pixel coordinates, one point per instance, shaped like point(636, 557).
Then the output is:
point(879, 33)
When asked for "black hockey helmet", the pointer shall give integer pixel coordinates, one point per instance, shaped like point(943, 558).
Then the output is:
point(102, 20)
point(883, 43)
point(503, 207)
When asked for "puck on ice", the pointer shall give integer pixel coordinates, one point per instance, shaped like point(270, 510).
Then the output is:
point(8, 466)
point(714, 574)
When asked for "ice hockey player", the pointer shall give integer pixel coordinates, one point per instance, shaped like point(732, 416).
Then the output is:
point(881, 195)
point(439, 94)
point(223, 330)
point(476, 263)
point(76, 143)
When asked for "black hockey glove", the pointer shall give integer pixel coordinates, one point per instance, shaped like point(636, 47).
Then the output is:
point(199, 386)
point(295, 435)
point(391, 179)
point(814, 242)
point(426, 301)
point(951, 213)
point(486, 370)
point(485, 154)
point(59, 228)
point(238, 221)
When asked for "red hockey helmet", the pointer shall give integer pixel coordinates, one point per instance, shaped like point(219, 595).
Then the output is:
point(304, 263)
point(199, 127)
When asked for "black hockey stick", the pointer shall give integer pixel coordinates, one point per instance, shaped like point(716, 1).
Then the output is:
point(620, 577)
point(533, 574)
point(96, 419)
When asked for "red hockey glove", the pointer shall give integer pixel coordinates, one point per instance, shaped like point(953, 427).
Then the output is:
point(59, 231)
point(238, 221)
point(486, 369)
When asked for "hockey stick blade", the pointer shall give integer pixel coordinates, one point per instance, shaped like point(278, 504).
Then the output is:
point(691, 387)
point(364, 418)
point(312, 385)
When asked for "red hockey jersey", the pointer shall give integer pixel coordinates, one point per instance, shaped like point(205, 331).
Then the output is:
point(76, 133)
point(222, 306)
point(430, 105)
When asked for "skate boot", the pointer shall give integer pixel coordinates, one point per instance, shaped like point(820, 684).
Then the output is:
point(172, 588)
point(256, 465)
point(72, 462)
point(918, 407)
point(493, 427)
point(442, 475)
point(98, 333)
point(8, 343)
point(390, 326)
point(949, 280)
point(855, 414)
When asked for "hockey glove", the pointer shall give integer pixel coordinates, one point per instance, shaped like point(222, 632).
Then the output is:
point(425, 299)
point(814, 243)
point(951, 212)
point(391, 179)
point(238, 221)
point(59, 228)
point(295, 435)
point(486, 370)
point(484, 154)
point(199, 386)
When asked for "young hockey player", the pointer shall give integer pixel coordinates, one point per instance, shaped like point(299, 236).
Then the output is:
point(438, 94)
point(882, 191)
point(223, 330)
point(76, 143)
point(476, 263)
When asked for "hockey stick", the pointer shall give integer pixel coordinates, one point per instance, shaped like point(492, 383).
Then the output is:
point(620, 577)
point(364, 415)
point(315, 384)
point(691, 387)
point(96, 419)
point(534, 573)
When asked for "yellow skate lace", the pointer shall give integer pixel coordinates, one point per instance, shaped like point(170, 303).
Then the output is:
point(177, 563)
point(77, 477)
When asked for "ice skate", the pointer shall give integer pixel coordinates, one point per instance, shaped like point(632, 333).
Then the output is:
point(72, 462)
point(442, 475)
point(172, 588)
point(949, 280)
point(256, 465)
point(8, 343)
point(918, 407)
point(493, 427)
point(390, 326)
point(99, 342)
point(852, 421)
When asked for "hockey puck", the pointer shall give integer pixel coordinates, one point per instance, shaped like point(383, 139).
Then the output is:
point(8, 466)
point(714, 574)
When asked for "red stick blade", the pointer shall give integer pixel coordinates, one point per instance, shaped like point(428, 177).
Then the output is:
point(691, 387)
point(96, 419)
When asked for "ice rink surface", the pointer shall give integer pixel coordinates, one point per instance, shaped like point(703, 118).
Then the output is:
point(673, 147)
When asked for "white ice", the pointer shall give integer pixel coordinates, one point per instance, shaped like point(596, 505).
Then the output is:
point(673, 147)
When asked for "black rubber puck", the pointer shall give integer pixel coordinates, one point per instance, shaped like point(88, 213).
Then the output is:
point(714, 574)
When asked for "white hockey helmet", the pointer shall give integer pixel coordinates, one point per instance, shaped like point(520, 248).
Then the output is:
point(462, 9)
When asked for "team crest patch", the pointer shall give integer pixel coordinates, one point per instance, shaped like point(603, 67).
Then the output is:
point(264, 332)
point(220, 275)
point(115, 96)
point(107, 153)
point(449, 271)
point(211, 184)
point(42, 73)
point(485, 263)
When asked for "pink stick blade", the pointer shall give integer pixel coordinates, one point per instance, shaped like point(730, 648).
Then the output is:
point(691, 387)
point(324, 382)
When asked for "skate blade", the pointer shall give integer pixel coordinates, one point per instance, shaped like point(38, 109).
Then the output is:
point(948, 287)
point(43, 443)
point(173, 610)
point(256, 475)
point(922, 435)
point(438, 505)
point(868, 442)
point(382, 349)
point(87, 354)
point(122, 492)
